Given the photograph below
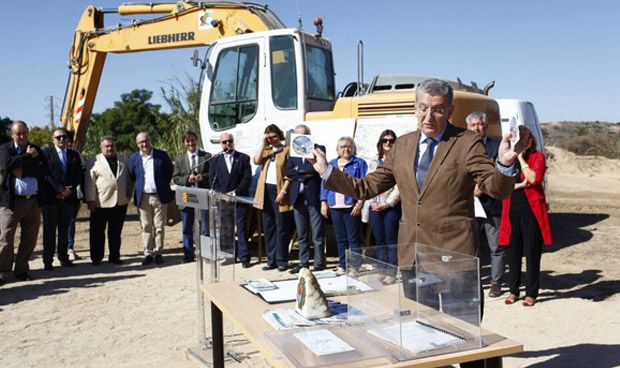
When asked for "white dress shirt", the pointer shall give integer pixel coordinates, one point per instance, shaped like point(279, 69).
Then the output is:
point(149, 173)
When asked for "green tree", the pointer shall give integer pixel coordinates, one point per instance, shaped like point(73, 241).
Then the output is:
point(40, 136)
point(183, 99)
point(5, 127)
point(129, 116)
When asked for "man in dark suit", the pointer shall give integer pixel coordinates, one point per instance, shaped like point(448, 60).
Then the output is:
point(477, 122)
point(59, 197)
point(22, 169)
point(436, 169)
point(231, 173)
point(305, 195)
point(191, 169)
point(151, 171)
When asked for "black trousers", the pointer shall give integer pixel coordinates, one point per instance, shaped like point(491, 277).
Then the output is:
point(277, 229)
point(525, 240)
point(112, 218)
point(56, 219)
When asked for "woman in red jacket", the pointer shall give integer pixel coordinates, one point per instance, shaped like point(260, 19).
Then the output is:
point(525, 224)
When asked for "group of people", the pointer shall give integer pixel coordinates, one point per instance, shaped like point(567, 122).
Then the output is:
point(517, 226)
point(51, 182)
point(437, 186)
point(37, 182)
point(438, 169)
point(291, 196)
point(420, 188)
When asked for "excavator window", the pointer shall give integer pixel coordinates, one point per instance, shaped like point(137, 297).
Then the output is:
point(283, 72)
point(320, 73)
point(234, 91)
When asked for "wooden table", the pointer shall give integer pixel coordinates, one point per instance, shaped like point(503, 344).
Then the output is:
point(245, 311)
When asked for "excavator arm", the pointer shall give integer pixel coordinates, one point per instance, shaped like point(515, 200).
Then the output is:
point(183, 24)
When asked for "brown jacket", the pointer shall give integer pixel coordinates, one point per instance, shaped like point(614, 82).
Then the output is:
point(281, 157)
point(442, 213)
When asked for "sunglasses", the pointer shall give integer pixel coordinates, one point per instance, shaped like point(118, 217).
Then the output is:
point(60, 137)
point(388, 140)
point(227, 141)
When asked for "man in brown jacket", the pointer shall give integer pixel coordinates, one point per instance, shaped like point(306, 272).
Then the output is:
point(438, 208)
point(436, 169)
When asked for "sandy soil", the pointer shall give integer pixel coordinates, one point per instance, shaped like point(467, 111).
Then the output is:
point(135, 316)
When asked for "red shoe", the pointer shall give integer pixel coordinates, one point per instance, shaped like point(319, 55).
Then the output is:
point(529, 301)
point(511, 299)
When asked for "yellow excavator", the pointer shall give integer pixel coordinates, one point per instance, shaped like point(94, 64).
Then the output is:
point(183, 24)
point(257, 72)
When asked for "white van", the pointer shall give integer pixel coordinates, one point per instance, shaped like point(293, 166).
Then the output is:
point(525, 113)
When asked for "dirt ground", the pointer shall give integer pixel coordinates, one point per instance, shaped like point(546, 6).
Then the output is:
point(135, 316)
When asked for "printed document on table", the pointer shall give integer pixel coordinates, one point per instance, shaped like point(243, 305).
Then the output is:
point(323, 342)
point(416, 337)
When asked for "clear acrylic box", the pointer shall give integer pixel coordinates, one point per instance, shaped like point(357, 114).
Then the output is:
point(324, 346)
point(432, 307)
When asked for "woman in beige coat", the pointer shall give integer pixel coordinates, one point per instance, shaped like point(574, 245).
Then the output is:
point(272, 197)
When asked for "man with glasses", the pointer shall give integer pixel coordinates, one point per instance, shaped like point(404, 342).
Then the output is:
point(151, 171)
point(22, 168)
point(436, 169)
point(73, 256)
point(231, 173)
point(191, 170)
point(60, 198)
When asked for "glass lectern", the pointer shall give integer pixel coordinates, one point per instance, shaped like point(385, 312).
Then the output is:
point(213, 251)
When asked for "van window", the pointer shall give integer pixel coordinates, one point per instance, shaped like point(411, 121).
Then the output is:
point(234, 89)
point(283, 72)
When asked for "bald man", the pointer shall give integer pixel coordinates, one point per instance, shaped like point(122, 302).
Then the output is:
point(231, 173)
point(151, 171)
point(22, 169)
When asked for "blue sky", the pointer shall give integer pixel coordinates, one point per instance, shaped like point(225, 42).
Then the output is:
point(564, 56)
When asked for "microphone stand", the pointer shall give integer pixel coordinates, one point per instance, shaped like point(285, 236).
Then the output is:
point(194, 170)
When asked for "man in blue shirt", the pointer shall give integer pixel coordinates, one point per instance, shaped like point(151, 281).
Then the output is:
point(151, 171)
point(22, 167)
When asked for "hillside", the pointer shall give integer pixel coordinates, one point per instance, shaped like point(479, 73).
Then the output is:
point(584, 138)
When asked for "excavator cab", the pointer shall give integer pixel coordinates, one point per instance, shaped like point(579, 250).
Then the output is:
point(258, 71)
point(265, 77)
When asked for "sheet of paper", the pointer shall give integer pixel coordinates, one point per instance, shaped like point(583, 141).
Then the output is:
point(478, 209)
point(282, 319)
point(415, 336)
point(287, 289)
point(323, 342)
point(258, 285)
point(514, 129)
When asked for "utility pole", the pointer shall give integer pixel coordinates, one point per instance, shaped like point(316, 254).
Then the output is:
point(51, 115)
